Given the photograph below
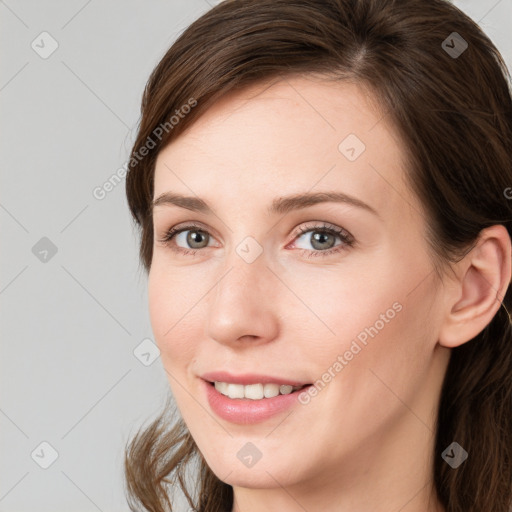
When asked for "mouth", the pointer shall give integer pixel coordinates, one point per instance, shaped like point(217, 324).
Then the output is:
point(251, 403)
point(256, 391)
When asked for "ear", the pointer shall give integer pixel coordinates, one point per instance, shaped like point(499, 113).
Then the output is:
point(483, 277)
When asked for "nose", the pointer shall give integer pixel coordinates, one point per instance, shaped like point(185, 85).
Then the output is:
point(244, 304)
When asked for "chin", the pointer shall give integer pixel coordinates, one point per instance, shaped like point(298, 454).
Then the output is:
point(267, 472)
point(252, 478)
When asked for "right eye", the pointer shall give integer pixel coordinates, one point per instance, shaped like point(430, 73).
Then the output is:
point(196, 235)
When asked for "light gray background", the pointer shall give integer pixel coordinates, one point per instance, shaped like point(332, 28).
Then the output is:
point(70, 325)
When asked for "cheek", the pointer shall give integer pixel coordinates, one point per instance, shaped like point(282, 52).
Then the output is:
point(388, 352)
point(378, 317)
point(171, 311)
point(360, 301)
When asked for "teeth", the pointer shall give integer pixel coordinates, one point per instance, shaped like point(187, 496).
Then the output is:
point(270, 390)
point(285, 389)
point(235, 391)
point(254, 391)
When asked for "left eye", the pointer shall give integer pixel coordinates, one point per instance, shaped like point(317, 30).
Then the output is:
point(319, 236)
point(321, 239)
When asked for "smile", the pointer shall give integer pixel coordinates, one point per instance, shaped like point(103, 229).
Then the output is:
point(229, 404)
point(254, 391)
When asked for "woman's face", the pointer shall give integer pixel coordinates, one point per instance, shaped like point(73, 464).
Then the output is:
point(336, 293)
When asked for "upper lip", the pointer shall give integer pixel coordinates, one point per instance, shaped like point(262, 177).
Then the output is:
point(249, 378)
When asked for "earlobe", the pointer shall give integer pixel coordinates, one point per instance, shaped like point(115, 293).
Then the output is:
point(485, 274)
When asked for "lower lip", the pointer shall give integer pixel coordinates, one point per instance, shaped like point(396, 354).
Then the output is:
point(244, 410)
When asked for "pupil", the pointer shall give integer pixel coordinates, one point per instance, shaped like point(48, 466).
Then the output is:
point(320, 237)
point(194, 236)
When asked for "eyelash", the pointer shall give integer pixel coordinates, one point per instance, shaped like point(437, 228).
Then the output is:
point(345, 236)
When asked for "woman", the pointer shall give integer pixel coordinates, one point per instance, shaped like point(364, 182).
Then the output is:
point(323, 193)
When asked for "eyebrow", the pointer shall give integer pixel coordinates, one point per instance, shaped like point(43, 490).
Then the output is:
point(280, 205)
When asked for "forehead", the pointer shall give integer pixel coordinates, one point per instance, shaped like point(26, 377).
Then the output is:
point(284, 137)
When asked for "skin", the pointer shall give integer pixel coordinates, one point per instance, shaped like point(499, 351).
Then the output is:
point(365, 442)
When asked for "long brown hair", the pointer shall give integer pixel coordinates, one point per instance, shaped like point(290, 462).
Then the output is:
point(451, 104)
